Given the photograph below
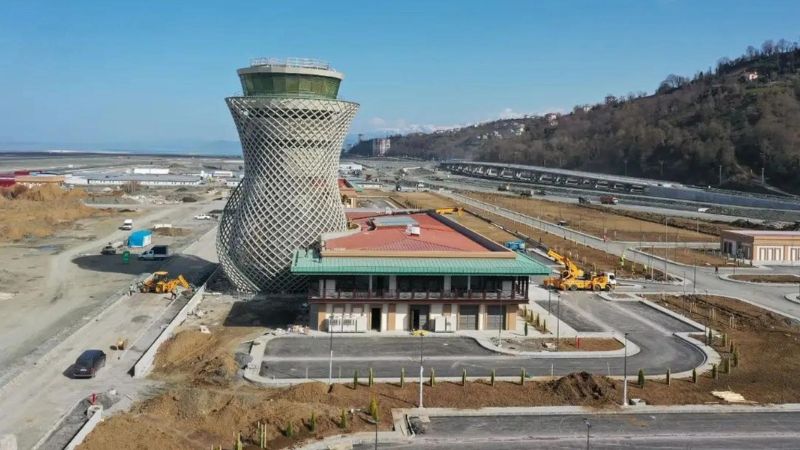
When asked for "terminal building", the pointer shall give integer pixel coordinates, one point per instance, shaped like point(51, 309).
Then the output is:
point(413, 271)
point(762, 247)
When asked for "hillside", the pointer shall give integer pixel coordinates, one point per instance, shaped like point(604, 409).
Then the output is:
point(741, 117)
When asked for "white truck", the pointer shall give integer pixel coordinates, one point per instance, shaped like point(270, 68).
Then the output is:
point(127, 225)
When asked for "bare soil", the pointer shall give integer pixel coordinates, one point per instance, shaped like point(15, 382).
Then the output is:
point(595, 220)
point(767, 278)
point(198, 417)
point(39, 212)
point(564, 345)
point(690, 256)
point(486, 223)
point(768, 345)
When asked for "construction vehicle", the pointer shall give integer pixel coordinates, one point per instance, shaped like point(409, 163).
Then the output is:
point(458, 211)
point(160, 283)
point(573, 278)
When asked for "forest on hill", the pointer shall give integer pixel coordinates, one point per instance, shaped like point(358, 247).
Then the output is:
point(727, 123)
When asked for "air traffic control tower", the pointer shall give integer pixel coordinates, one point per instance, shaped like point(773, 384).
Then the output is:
point(292, 127)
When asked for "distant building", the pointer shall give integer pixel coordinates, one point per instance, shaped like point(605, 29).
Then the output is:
point(411, 272)
point(151, 170)
point(348, 193)
point(350, 168)
point(222, 174)
point(762, 247)
point(750, 76)
point(381, 146)
point(144, 180)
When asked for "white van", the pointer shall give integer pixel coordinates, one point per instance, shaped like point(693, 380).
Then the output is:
point(127, 225)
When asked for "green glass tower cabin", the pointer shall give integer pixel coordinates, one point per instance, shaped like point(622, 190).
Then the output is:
point(294, 77)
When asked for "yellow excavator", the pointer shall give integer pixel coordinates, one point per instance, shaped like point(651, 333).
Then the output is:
point(459, 211)
point(574, 278)
point(160, 283)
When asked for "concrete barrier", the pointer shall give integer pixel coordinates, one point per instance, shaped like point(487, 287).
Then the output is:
point(96, 418)
point(145, 364)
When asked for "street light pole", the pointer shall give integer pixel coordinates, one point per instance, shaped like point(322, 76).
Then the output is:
point(558, 320)
point(666, 249)
point(625, 374)
point(588, 431)
point(421, 340)
point(330, 362)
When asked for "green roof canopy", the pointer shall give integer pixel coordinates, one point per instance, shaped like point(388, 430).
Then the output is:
point(309, 263)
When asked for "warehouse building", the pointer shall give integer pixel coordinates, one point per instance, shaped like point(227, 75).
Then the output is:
point(762, 247)
point(413, 271)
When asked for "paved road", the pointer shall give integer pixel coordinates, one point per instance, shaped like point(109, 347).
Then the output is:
point(757, 430)
point(33, 401)
point(649, 329)
point(768, 296)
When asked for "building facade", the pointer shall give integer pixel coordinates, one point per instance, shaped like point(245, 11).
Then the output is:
point(292, 126)
point(414, 271)
point(381, 146)
point(762, 247)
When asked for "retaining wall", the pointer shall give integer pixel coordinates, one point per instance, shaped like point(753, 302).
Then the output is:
point(145, 364)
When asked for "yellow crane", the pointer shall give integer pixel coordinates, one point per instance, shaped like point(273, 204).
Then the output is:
point(574, 278)
point(160, 283)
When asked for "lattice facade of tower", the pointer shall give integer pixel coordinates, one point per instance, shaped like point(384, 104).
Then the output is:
point(292, 127)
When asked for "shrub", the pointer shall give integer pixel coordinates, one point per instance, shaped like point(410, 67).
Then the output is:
point(714, 371)
point(694, 375)
point(373, 408)
point(343, 419)
point(464, 377)
point(522, 377)
point(289, 431)
point(736, 358)
point(433, 377)
point(312, 423)
point(402, 376)
point(493, 376)
point(355, 379)
point(641, 378)
point(371, 377)
point(526, 328)
point(669, 376)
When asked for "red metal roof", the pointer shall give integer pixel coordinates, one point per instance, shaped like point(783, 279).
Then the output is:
point(434, 236)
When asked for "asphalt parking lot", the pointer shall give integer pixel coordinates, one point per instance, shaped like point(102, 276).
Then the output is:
point(298, 357)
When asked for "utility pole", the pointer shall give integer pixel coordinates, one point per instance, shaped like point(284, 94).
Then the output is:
point(625, 374)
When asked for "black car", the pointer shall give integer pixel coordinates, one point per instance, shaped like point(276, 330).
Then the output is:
point(87, 365)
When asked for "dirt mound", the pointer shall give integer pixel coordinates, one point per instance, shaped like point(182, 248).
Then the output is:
point(41, 211)
point(204, 358)
point(576, 388)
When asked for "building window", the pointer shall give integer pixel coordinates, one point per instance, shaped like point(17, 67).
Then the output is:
point(420, 284)
point(458, 283)
point(353, 283)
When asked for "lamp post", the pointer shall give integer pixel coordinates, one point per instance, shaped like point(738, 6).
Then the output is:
point(558, 320)
point(666, 248)
point(421, 340)
point(588, 431)
point(625, 374)
point(330, 361)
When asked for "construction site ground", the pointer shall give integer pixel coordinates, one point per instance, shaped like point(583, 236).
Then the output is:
point(597, 221)
point(690, 256)
point(768, 345)
point(766, 278)
point(585, 257)
point(53, 291)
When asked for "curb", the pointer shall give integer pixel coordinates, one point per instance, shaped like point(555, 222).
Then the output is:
point(794, 298)
point(726, 277)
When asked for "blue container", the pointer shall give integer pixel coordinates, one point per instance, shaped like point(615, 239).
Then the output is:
point(140, 238)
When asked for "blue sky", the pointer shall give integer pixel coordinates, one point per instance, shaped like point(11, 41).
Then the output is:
point(154, 73)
